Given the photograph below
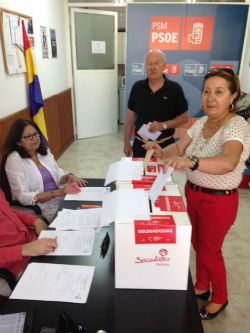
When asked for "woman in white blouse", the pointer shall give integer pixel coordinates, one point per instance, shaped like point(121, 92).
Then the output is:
point(212, 153)
point(33, 174)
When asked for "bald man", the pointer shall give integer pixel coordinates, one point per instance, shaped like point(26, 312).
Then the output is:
point(157, 101)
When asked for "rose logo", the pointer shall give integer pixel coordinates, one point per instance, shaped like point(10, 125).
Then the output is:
point(163, 252)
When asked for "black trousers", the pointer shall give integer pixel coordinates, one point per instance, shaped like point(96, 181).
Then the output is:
point(139, 151)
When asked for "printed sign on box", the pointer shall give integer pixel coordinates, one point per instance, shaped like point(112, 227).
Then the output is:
point(159, 230)
point(197, 33)
point(170, 204)
point(164, 33)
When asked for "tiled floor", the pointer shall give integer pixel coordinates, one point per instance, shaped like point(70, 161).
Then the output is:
point(91, 157)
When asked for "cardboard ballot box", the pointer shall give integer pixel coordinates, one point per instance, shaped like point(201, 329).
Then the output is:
point(153, 254)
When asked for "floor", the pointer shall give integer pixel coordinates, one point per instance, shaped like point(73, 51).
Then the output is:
point(90, 158)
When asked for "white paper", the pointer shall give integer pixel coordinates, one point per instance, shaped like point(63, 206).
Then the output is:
point(158, 184)
point(12, 323)
point(124, 171)
point(98, 47)
point(71, 243)
point(54, 282)
point(80, 219)
point(125, 204)
point(144, 130)
point(89, 194)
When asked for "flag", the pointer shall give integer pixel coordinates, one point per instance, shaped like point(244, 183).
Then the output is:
point(35, 95)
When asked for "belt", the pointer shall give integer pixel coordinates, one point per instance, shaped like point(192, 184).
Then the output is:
point(157, 141)
point(198, 188)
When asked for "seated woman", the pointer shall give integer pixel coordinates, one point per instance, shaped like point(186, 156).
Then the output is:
point(18, 241)
point(33, 174)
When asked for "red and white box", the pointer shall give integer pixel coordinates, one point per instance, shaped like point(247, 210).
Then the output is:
point(153, 254)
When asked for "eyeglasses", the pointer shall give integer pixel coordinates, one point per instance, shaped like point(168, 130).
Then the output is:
point(31, 136)
point(227, 70)
point(223, 69)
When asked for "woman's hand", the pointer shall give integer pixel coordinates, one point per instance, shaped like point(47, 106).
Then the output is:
point(39, 225)
point(39, 247)
point(157, 151)
point(73, 180)
point(69, 189)
point(178, 163)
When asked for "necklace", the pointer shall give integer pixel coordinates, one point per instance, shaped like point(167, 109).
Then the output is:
point(208, 131)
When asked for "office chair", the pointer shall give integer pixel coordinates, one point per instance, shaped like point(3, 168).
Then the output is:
point(5, 186)
point(10, 279)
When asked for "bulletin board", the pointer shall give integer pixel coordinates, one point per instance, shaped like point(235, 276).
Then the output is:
point(12, 39)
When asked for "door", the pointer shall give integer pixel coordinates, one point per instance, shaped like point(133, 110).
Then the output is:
point(94, 51)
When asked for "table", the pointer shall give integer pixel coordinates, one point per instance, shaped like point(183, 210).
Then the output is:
point(115, 310)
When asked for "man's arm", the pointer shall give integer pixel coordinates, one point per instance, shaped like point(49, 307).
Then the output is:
point(173, 123)
point(129, 124)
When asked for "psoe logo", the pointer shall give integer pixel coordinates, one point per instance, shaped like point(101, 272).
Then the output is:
point(158, 259)
point(137, 69)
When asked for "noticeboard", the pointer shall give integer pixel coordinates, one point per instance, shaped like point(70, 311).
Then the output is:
point(12, 39)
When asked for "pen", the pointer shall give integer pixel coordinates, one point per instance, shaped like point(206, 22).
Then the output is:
point(90, 206)
point(75, 186)
point(55, 238)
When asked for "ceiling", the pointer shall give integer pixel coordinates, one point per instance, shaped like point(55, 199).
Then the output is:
point(119, 6)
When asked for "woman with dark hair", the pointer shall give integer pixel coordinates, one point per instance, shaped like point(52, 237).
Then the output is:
point(33, 174)
point(212, 154)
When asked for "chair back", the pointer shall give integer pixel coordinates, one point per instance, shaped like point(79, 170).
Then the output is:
point(4, 183)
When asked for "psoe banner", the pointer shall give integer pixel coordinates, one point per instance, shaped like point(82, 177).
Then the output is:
point(181, 33)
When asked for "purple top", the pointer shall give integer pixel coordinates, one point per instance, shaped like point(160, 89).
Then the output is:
point(48, 181)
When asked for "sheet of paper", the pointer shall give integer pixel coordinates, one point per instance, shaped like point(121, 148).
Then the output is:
point(125, 204)
point(89, 194)
point(144, 130)
point(79, 219)
point(158, 184)
point(54, 282)
point(71, 243)
point(124, 171)
point(12, 323)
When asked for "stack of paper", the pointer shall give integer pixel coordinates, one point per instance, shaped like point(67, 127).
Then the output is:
point(54, 282)
point(124, 171)
point(79, 219)
point(71, 243)
point(89, 194)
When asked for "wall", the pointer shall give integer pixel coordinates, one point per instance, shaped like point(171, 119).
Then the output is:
point(53, 73)
point(245, 65)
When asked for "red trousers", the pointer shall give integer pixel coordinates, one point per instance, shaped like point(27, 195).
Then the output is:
point(211, 217)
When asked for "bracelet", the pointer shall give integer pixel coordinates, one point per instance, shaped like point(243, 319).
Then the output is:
point(164, 125)
point(52, 195)
point(67, 176)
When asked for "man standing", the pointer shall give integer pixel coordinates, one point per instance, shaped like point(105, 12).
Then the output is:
point(156, 101)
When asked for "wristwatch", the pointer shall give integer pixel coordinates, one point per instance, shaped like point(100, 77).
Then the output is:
point(164, 125)
point(195, 161)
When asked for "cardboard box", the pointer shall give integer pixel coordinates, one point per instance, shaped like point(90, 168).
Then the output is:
point(141, 263)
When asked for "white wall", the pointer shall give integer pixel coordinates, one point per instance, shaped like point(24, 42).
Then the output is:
point(53, 73)
point(245, 66)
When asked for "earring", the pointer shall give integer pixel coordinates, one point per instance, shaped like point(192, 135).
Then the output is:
point(201, 107)
point(231, 107)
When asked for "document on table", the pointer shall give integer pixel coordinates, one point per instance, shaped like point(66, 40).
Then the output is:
point(80, 219)
point(125, 204)
point(158, 184)
point(144, 130)
point(124, 171)
point(54, 282)
point(89, 194)
point(12, 322)
point(71, 243)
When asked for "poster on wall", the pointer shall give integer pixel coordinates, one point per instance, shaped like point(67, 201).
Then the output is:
point(44, 41)
point(53, 43)
point(193, 37)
